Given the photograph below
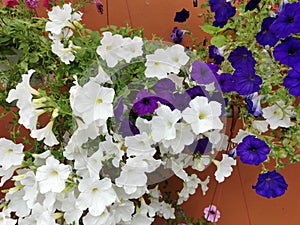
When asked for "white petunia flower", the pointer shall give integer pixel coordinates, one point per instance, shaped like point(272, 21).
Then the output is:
point(163, 125)
point(204, 185)
point(122, 211)
point(94, 102)
point(144, 215)
point(101, 77)
point(65, 54)
point(24, 94)
point(45, 133)
point(95, 195)
point(240, 136)
point(5, 175)
point(260, 125)
point(104, 219)
point(59, 18)
point(17, 203)
point(113, 150)
point(201, 163)
point(131, 48)
point(278, 115)
point(178, 56)
point(184, 137)
point(11, 154)
point(110, 48)
point(52, 176)
point(224, 167)
point(203, 115)
point(71, 212)
point(159, 65)
point(139, 144)
point(189, 188)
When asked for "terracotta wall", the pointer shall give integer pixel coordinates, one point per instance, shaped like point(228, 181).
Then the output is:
point(156, 16)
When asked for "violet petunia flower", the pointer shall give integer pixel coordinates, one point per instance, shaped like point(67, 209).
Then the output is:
point(214, 53)
point(195, 91)
point(226, 82)
point(211, 214)
point(99, 6)
point(202, 73)
point(292, 82)
point(177, 35)
point(182, 16)
point(223, 11)
point(252, 150)
point(241, 57)
point(266, 36)
point(246, 82)
point(288, 21)
point(270, 184)
point(288, 52)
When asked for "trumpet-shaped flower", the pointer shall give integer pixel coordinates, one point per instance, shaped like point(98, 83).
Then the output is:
point(59, 18)
point(292, 81)
point(95, 195)
point(163, 125)
point(278, 115)
point(131, 48)
point(224, 167)
point(45, 133)
point(211, 214)
point(65, 54)
point(11, 154)
point(110, 48)
point(159, 64)
point(94, 102)
point(52, 176)
point(139, 144)
point(178, 56)
point(203, 115)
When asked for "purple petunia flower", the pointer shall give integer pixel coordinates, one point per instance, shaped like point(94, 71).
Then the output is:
point(252, 150)
point(265, 36)
point(288, 21)
point(181, 101)
point(251, 5)
point(253, 103)
point(292, 81)
point(99, 6)
point(195, 91)
point(182, 16)
point(203, 146)
point(202, 73)
point(288, 52)
point(246, 82)
point(241, 57)
point(32, 4)
point(214, 53)
point(225, 81)
point(177, 35)
point(223, 11)
point(128, 128)
point(119, 109)
point(211, 214)
point(145, 103)
point(270, 184)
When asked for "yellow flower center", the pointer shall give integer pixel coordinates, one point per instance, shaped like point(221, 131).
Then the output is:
point(201, 116)
point(10, 150)
point(99, 100)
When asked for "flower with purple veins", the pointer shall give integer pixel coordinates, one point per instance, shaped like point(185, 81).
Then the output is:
point(266, 36)
point(202, 73)
point(211, 213)
point(246, 81)
point(288, 52)
point(288, 21)
point(270, 184)
point(292, 82)
point(177, 35)
point(182, 16)
point(241, 57)
point(214, 53)
point(32, 4)
point(253, 103)
point(252, 150)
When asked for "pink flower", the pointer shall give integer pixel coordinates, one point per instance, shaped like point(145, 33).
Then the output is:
point(48, 3)
point(211, 213)
point(11, 3)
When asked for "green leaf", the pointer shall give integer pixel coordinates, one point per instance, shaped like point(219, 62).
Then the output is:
point(203, 6)
point(210, 29)
point(218, 40)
